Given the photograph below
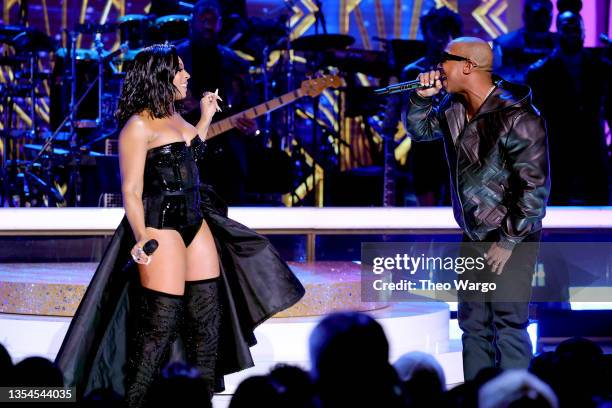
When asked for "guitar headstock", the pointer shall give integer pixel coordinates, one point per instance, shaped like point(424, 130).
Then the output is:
point(314, 87)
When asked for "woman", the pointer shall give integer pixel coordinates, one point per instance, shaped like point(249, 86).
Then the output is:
point(210, 282)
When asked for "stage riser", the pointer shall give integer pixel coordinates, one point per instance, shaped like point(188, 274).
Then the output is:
point(280, 340)
point(55, 289)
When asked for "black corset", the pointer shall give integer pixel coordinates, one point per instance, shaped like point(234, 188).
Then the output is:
point(171, 195)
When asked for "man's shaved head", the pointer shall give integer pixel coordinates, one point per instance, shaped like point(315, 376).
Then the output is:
point(476, 49)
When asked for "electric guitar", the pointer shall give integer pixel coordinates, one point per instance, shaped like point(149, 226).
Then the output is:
point(309, 87)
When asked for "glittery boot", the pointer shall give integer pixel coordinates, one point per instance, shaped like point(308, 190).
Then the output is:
point(201, 326)
point(156, 320)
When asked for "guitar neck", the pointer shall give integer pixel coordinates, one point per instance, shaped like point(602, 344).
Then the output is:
point(229, 123)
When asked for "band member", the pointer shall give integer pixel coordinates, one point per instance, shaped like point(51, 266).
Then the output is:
point(195, 285)
point(496, 148)
point(430, 173)
point(517, 50)
point(576, 117)
point(214, 66)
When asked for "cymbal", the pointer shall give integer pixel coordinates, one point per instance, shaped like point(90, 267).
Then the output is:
point(322, 42)
point(62, 152)
point(8, 32)
point(132, 18)
point(171, 19)
point(55, 150)
point(33, 40)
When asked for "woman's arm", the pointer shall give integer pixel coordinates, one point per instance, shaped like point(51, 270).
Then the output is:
point(208, 107)
point(133, 143)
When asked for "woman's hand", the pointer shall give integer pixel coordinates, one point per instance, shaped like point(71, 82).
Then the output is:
point(208, 104)
point(138, 253)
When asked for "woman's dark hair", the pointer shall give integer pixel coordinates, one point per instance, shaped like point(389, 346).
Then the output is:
point(148, 83)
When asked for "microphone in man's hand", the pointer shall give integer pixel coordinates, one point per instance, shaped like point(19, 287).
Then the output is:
point(404, 86)
point(148, 248)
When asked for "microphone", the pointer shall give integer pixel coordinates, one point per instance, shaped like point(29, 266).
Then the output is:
point(605, 39)
point(148, 248)
point(403, 87)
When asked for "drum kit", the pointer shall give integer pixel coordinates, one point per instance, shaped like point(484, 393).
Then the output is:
point(41, 167)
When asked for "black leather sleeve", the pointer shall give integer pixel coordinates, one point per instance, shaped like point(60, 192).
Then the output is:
point(420, 118)
point(527, 153)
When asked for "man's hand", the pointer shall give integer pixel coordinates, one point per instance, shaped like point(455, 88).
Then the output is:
point(432, 80)
point(497, 257)
point(246, 125)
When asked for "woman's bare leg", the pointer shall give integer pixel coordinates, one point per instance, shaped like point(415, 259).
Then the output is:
point(168, 267)
point(202, 257)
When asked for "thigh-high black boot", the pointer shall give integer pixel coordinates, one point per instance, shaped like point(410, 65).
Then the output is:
point(201, 326)
point(155, 323)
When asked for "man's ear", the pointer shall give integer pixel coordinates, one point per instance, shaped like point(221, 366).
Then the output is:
point(468, 67)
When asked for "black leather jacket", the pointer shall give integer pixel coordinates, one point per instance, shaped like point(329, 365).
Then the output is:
point(498, 161)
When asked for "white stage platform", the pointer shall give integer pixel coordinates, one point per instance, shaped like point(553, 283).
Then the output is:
point(408, 326)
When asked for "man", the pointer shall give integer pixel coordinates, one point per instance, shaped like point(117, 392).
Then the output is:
point(575, 111)
point(213, 66)
point(517, 50)
point(496, 148)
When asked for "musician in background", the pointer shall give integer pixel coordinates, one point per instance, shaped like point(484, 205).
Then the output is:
point(439, 26)
point(233, 13)
point(214, 66)
point(572, 89)
point(517, 50)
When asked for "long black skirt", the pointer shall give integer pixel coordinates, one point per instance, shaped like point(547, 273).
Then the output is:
point(255, 284)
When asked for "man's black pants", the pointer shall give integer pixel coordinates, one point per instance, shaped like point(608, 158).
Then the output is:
point(494, 323)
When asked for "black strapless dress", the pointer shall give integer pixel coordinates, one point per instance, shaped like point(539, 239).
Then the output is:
point(255, 282)
point(171, 191)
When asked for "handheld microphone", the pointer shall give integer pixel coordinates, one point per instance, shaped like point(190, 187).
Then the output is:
point(148, 248)
point(403, 87)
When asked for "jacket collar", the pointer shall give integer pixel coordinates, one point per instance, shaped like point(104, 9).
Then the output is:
point(505, 95)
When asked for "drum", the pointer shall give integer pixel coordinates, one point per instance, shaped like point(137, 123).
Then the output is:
point(172, 28)
point(134, 29)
